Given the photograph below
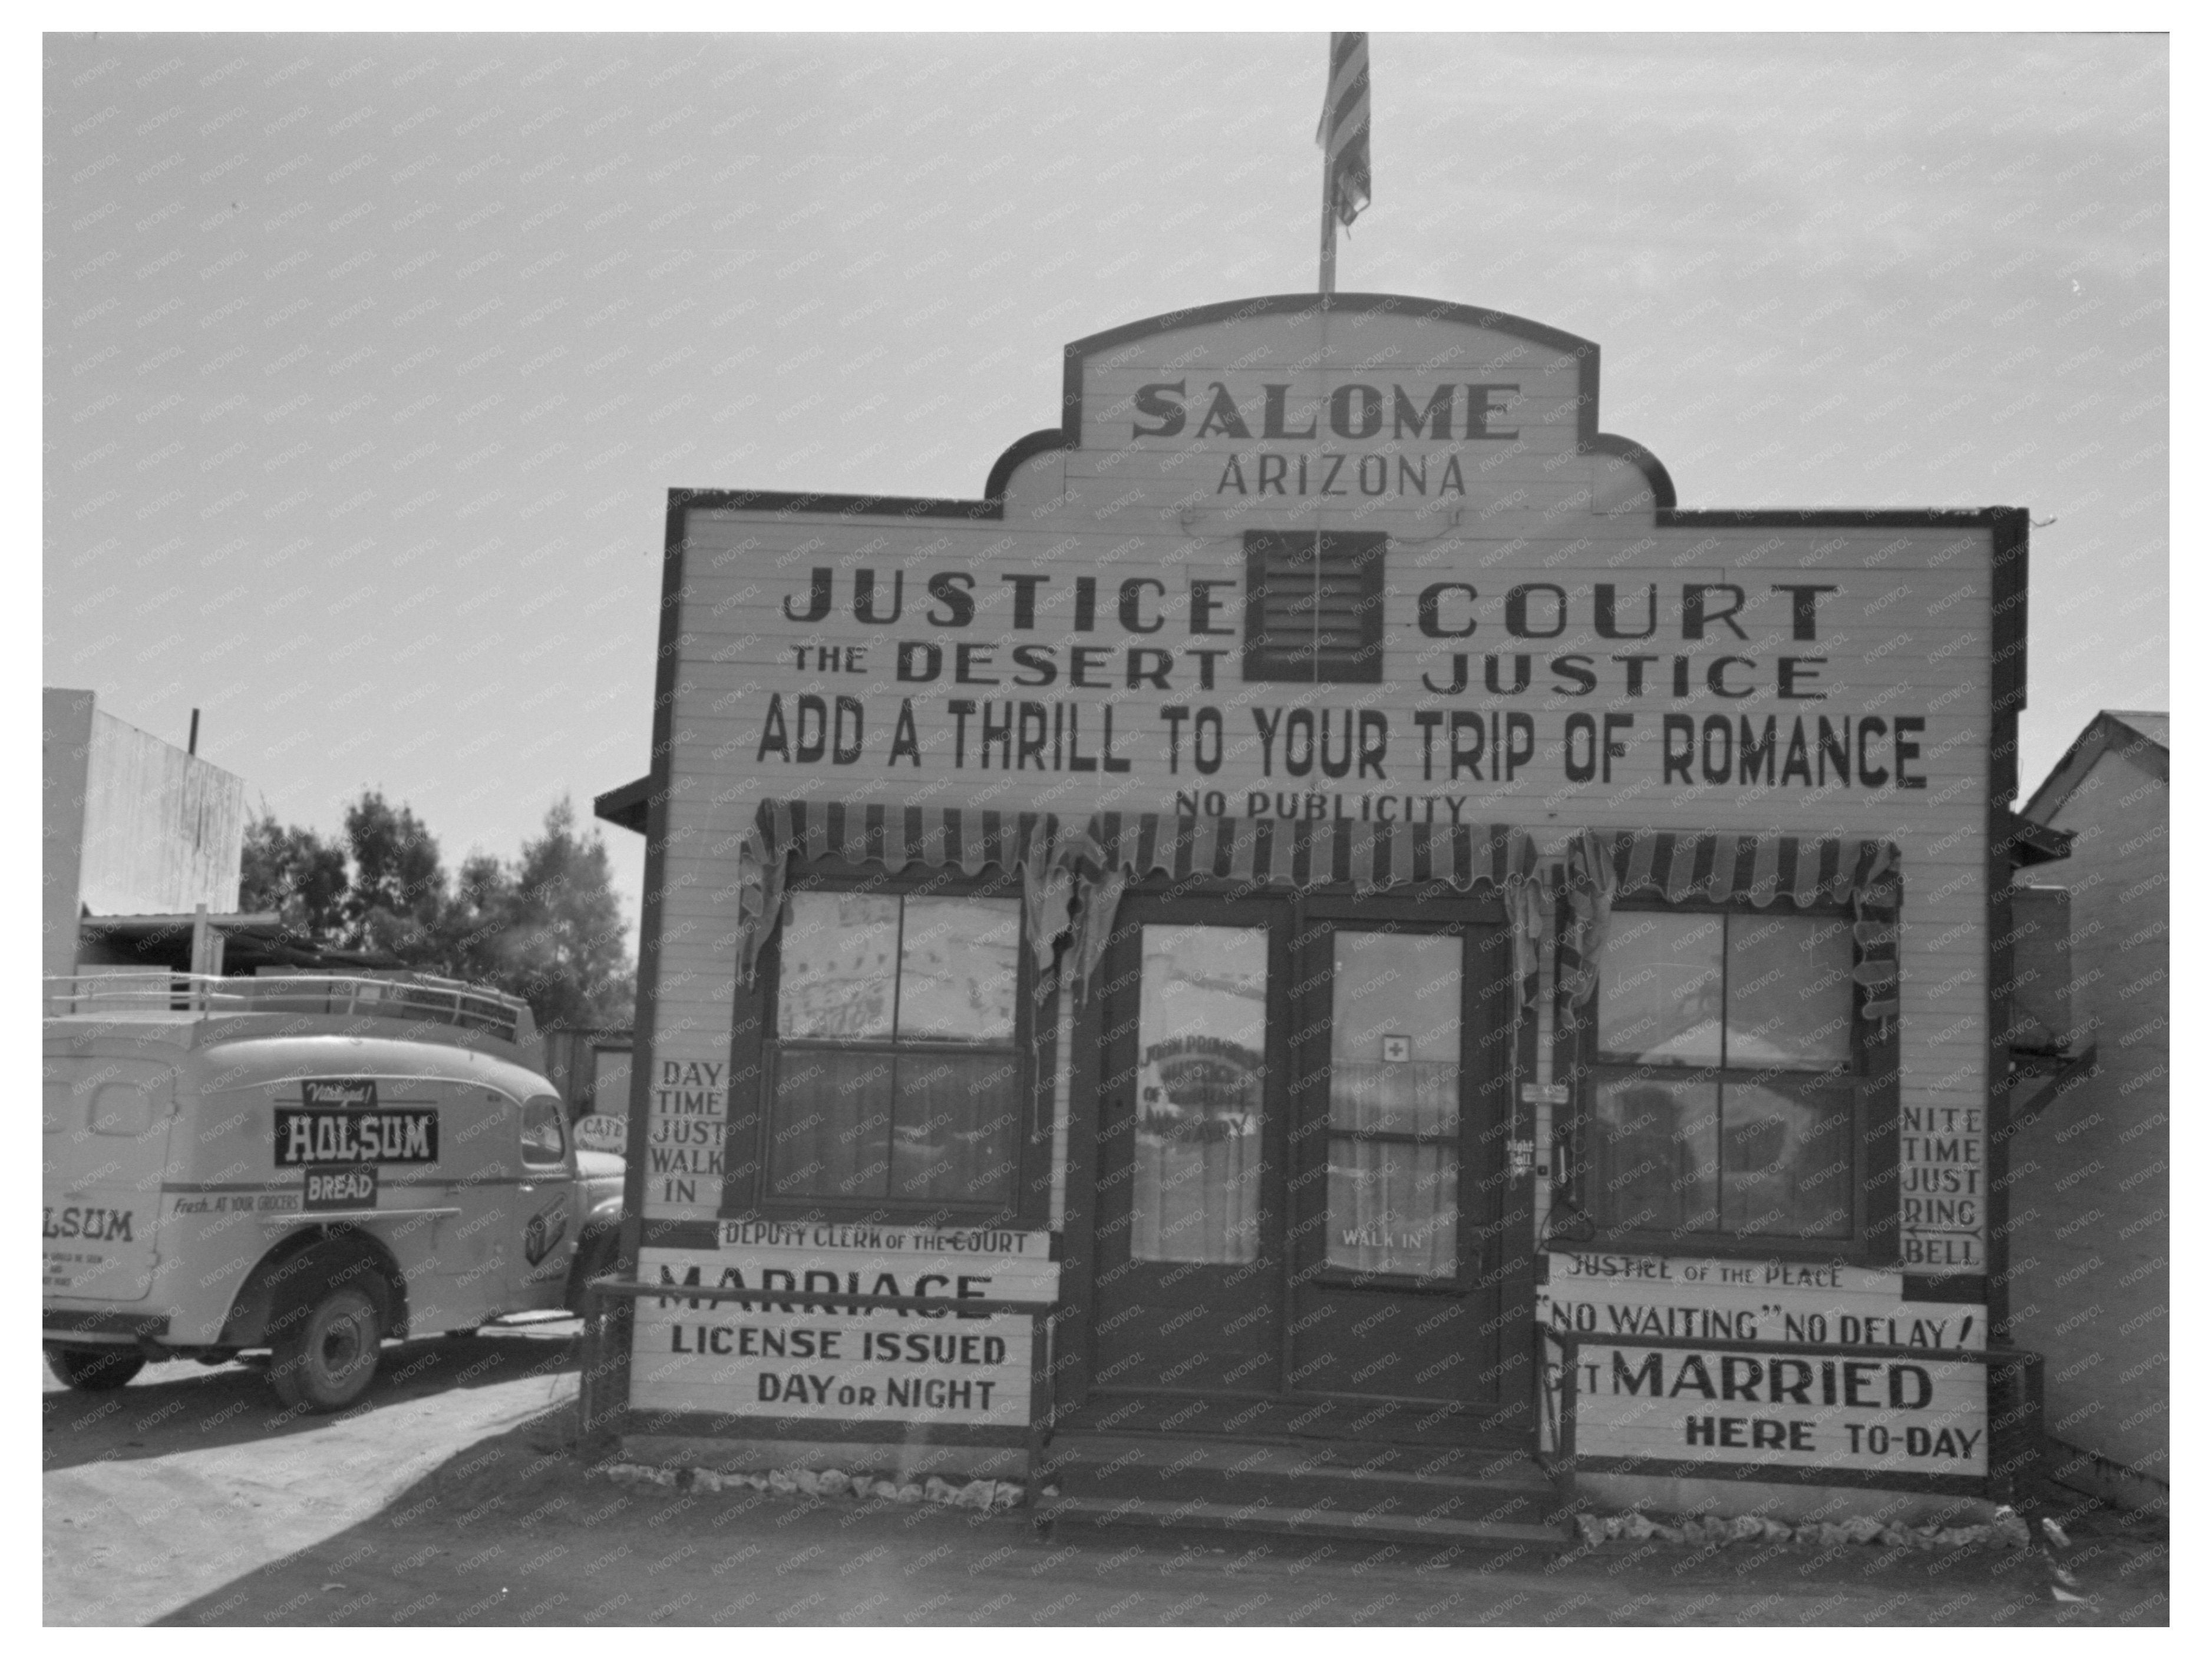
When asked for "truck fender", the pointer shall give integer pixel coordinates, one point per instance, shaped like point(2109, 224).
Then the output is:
point(296, 1272)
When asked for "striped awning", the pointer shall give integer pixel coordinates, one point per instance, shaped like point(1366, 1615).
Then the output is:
point(1088, 865)
point(1603, 868)
point(1299, 853)
point(936, 838)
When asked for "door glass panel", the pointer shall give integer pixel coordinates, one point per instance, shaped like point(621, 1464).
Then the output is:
point(1393, 1207)
point(1393, 1089)
point(1201, 1049)
point(1394, 1036)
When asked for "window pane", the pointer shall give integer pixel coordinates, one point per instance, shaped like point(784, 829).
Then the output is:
point(837, 966)
point(545, 1134)
point(1393, 1208)
point(1659, 988)
point(1786, 1160)
point(1394, 1040)
point(1654, 1154)
point(1202, 1041)
point(122, 1108)
point(954, 1127)
point(957, 969)
point(1788, 991)
point(610, 1082)
point(833, 1125)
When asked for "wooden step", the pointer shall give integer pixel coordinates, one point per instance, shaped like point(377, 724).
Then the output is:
point(1497, 1426)
point(1311, 1520)
point(1444, 1468)
point(1357, 1490)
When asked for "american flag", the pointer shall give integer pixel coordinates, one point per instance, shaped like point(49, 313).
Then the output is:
point(1343, 132)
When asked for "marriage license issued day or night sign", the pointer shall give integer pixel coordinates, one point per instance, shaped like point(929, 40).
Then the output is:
point(814, 1359)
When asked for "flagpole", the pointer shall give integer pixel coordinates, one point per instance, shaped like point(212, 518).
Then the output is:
point(1346, 184)
point(1328, 229)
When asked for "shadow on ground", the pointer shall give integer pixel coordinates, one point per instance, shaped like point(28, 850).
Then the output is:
point(181, 1406)
point(515, 1531)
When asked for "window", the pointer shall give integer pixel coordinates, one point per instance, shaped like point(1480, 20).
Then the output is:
point(544, 1131)
point(122, 1108)
point(896, 1065)
point(1723, 1083)
point(1313, 606)
point(1202, 1095)
point(1394, 1104)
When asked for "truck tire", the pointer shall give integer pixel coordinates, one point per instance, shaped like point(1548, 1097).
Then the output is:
point(95, 1370)
point(326, 1361)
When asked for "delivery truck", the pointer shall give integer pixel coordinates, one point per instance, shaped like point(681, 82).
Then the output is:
point(305, 1167)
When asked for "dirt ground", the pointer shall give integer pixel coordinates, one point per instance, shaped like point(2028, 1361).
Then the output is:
point(453, 1497)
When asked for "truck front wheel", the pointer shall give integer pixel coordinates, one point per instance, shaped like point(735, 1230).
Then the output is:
point(326, 1362)
point(95, 1371)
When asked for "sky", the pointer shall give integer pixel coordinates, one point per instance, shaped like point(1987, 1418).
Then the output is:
point(369, 360)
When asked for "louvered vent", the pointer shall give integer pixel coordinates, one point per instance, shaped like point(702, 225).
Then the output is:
point(1313, 606)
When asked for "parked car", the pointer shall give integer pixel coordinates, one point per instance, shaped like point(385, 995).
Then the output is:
point(306, 1165)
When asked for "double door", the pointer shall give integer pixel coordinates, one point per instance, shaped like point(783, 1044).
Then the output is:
point(1304, 1213)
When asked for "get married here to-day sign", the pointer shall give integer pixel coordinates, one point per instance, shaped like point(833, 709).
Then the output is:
point(814, 1360)
point(1880, 1414)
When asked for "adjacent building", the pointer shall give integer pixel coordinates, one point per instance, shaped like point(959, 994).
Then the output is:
point(2091, 1225)
point(143, 843)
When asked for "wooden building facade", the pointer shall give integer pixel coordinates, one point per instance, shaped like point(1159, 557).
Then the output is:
point(1325, 874)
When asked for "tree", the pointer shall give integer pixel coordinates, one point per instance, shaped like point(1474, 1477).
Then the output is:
point(547, 928)
point(295, 873)
point(473, 928)
point(562, 947)
point(399, 890)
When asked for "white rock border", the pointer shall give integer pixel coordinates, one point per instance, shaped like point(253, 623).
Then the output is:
point(983, 1495)
point(2007, 1532)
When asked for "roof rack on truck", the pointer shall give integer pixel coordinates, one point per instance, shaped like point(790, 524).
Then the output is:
point(419, 998)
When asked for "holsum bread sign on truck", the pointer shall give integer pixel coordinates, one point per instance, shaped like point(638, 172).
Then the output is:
point(304, 1166)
